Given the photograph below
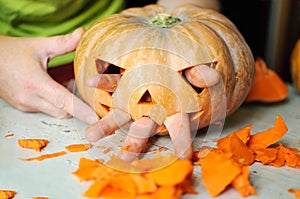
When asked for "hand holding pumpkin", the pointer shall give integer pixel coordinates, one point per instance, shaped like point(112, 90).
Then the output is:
point(25, 83)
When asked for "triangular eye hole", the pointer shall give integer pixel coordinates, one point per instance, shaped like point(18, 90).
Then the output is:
point(146, 98)
point(106, 67)
point(101, 65)
point(212, 65)
point(197, 82)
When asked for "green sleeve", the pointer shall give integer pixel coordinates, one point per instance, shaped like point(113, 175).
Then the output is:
point(28, 18)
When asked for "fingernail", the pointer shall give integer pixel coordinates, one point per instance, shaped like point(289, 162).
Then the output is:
point(78, 32)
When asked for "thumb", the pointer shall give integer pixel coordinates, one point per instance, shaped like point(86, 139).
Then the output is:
point(62, 44)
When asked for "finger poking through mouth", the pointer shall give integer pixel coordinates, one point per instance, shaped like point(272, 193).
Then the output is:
point(137, 138)
point(178, 126)
point(114, 120)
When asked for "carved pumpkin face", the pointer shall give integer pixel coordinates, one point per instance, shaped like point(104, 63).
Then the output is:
point(152, 54)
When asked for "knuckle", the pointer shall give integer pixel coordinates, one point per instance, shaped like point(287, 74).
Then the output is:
point(21, 103)
point(62, 40)
point(30, 85)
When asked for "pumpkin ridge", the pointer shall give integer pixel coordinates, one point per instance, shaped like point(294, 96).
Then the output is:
point(238, 64)
point(211, 15)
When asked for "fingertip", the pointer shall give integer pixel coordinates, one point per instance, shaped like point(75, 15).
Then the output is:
point(93, 133)
point(202, 76)
point(62, 44)
point(78, 32)
point(128, 156)
point(93, 118)
point(82, 111)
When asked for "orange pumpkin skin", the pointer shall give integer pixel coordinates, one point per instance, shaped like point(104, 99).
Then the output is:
point(128, 41)
point(295, 65)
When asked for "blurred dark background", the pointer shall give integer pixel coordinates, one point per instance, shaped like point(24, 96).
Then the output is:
point(270, 27)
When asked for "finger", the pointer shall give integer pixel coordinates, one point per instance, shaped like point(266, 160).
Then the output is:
point(62, 44)
point(137, 138)
point(107, 82)
point(63, 99)
point(35, 103)
point(111, 122)
point(178, 126)
point(49, 109)
point(202, 76)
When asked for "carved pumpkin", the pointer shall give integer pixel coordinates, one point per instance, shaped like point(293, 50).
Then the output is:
point(152, 49)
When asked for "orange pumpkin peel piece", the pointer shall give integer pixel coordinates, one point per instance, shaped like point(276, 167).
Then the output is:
point(7, 194)
point(267, 85)
point(280, 158)
point(36, 144)
point(219, 169)
point(9, 135)
point(243, 134)
point(86, 169)
point(238, 148)
point(292, 158)
point(266, 155)
point(78, 147)
point(266, 138)
point(241, 183)
point(45, 156)
point(295, 191)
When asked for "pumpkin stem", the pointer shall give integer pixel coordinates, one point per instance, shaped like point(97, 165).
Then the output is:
point(164, 20)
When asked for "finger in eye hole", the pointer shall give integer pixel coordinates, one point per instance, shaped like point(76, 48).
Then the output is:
point(202, 76)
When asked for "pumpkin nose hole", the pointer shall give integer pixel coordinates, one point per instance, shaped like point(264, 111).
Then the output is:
point(146, 98)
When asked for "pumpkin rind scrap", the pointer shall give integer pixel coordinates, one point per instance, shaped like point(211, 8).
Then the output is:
point(129, 41)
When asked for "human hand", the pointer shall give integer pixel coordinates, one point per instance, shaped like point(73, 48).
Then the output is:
point(25, 83)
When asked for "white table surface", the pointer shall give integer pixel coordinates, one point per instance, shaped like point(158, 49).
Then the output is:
point(53, 178)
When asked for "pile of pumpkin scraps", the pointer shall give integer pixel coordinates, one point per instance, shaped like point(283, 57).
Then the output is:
point(148, 178)
point(226, 165)
point(229, 163)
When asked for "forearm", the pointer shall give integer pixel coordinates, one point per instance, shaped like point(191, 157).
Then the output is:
point(171, 4)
